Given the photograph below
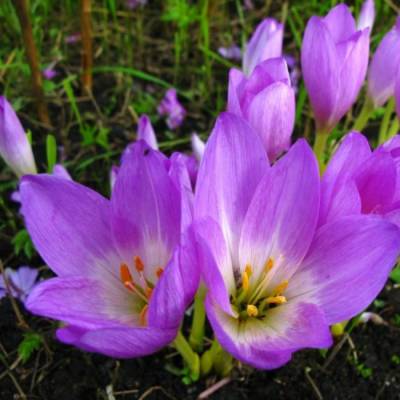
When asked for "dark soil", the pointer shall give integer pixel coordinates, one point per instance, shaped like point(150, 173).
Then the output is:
point(366, 367)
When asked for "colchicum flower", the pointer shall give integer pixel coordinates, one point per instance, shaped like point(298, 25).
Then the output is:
point(125, 267)
point(14, 145)
point(20, 282)
point(265, 43)
point(267, 101)
point(172, 108)
point(275, 282)
point(367, 15)
point(358, 180)
point(384, 66)
point(334, 60)
point(232, 52)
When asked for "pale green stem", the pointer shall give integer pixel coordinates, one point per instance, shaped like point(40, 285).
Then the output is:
point(319, 148)
point(191, 358)
point(394, 128)
point(198, 321)
point(383, 130)
point(365, 114)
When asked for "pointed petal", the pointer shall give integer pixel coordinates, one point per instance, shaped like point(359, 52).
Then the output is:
point(146, 132)
point(69, 225)
point(198, 146)
point(347, 266)
point(282, 216)
point(340, 23)
point(367, 15)
point(232, 166)
point(235, 86)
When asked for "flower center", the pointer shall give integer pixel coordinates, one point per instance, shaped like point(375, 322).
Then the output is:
point(251, 300)
point(142, 288)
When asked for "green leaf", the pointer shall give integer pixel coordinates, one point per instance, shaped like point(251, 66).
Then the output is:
point(23, 242)
point(395, 275)
point(31, 342)
point(51, 152)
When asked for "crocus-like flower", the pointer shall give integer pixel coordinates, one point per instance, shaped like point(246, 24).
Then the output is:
point(267, 101)
point(384, 66)
point(20, 282)
point(125, 268)
point(231, 53)
point(334, 60)
point(146, 132)
point(14, 145)
point(172, 108)
point(265, 43)
point(367, 15)
point(49, 73)
point(275, 283)
point(358, 180)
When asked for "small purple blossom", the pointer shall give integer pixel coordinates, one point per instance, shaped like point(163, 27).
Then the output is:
point(132, 4)
point(384, 66)
point(73, 38)
point(125, 275)
point(334, 60)
point(20, 282)
point(14, 145)
point(275, 280)
point(49, 73)
point(265, 43)
point(172, 108)
point(232, 52)
point(266, 100)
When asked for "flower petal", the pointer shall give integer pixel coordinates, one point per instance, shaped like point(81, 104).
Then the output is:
point(367, 15)
point(282, 216)
point(198, 146)
point(340, 23)
point(146, 132)
point(233, 164)
point(146, 209)
point(235, 86)
point(347, 265)
point(69, 225)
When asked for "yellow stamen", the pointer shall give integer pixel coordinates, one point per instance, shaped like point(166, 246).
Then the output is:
point(245, 281)
point(276, 300)
point(143, 315)
point(159, 272)
point(125, 274)
point(280, 288)
point(269, 264)
point(248, 270)
point(138, 264)
point(252, 310)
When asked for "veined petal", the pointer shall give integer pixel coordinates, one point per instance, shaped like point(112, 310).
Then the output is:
point(268, 343)
point(14, 145)
point(146, 132)
point(233, 164)
point(69, 225)
point(271, 113)
point(86, 303)
point(282, 216)
point(235, 86)
point(320, 67)
point(347, 265)
point(145, 202)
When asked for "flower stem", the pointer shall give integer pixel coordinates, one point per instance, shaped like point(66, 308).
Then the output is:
point(363, 117)
point(199, 317)
point(383, 130)
point(393, 128)
point(191, 358)
point(319, 148)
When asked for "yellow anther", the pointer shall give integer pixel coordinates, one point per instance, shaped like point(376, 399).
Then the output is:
point(280, 288)
point(245, 281)
point(276, 300)
point(248, 270)
point(269, 264)
point(252, 310)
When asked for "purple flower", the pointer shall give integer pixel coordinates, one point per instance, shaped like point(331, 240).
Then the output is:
point(275, 282)
point(359, 181)
point(231, 53)
point(49, 73)
point(198, 146)
point(146, 132)
point(265, 43)
point(367, 15)
point(171, 107)
point(397, 93)
point(132, 4)
point(125, 268)
point(334, 59)
point(14, 145)
point(294, 71)
point(266, 101)
point(384, 66)
point(20, 282)
point(73, 38)
point(113, 175)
